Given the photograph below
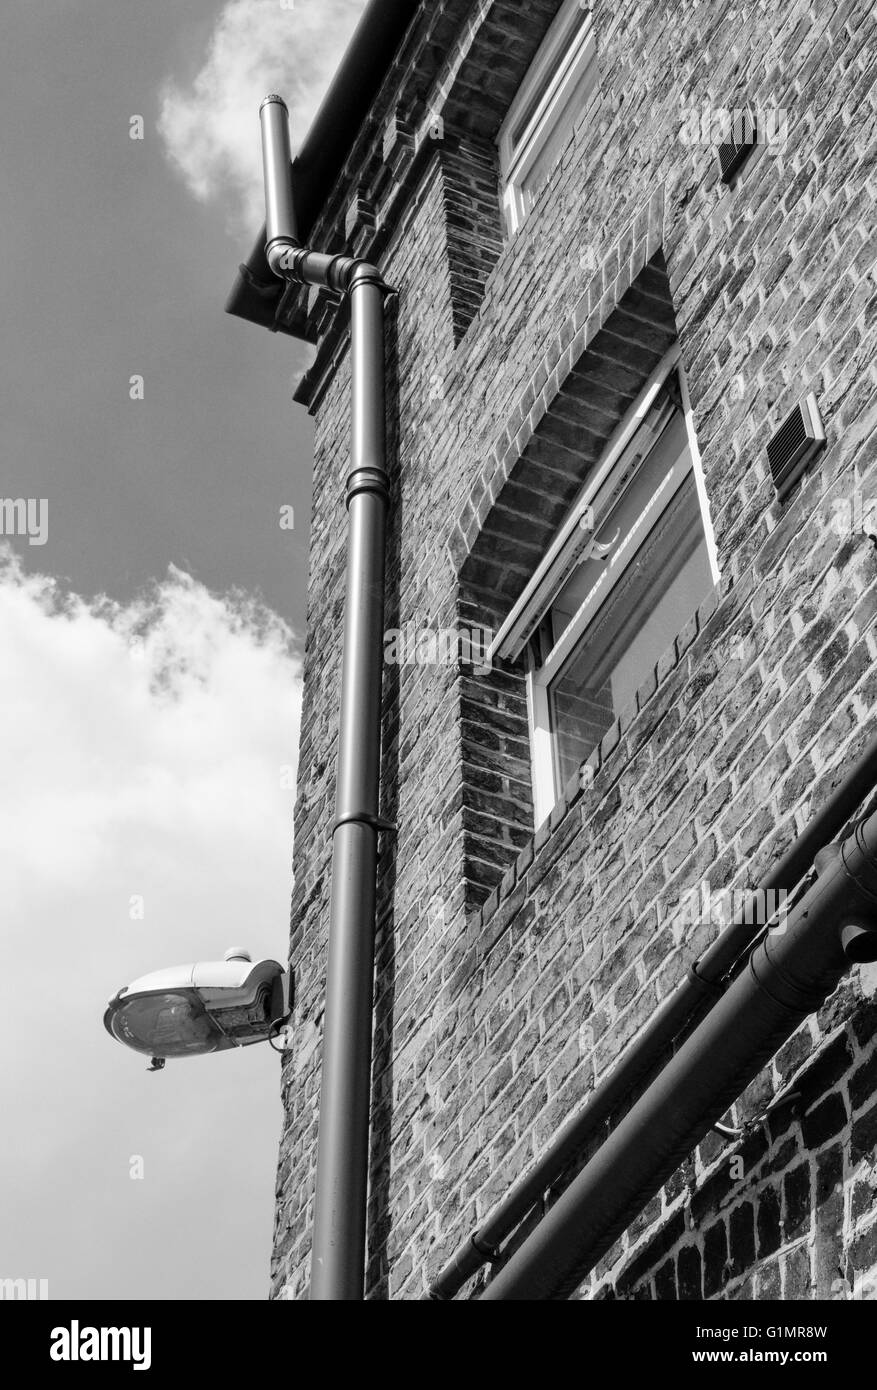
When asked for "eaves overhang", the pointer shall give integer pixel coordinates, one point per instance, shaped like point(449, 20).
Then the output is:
point(416, 79)
point(256, 293)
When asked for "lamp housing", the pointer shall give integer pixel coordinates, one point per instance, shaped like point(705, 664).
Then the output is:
point(192, 1010)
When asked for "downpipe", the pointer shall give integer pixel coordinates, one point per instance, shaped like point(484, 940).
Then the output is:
point(788, 976)
point(339, 1238)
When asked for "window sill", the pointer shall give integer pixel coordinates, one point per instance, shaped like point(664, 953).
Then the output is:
point(499, 908)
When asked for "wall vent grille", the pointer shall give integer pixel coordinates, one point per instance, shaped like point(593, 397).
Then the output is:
point(797, 441)
point(743, 138)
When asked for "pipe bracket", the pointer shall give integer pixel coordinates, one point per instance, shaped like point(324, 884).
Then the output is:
point(489, 1254)
point(710, 986)
point(285, 303)
point(364, 818)
point(260, 287)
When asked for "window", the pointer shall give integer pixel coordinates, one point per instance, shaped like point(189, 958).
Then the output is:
point(547, 109)
point(631, 563)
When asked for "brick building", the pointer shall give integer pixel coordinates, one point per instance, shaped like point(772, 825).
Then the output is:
point(596, 336)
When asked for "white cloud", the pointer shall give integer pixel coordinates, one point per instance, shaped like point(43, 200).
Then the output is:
point(141, 755)
point(211, 127)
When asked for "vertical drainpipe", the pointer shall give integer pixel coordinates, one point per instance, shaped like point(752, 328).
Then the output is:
point(338, 1258)
point(337, 1269)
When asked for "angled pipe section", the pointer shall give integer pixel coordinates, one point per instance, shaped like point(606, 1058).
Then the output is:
point(338, 1258)
point(701, 986)
point(286, 256)
point(281, 223)
point(789, 975)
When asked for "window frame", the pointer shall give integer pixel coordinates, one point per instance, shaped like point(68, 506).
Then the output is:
point(566, 51)
point(535, 604)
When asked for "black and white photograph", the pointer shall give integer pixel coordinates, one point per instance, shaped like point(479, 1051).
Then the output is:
point(438, 672)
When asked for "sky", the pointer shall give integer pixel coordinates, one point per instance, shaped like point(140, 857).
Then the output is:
point(151, 624)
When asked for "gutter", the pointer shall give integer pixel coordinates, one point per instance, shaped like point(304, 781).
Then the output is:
point(702, 985)
point(256, 292)
point(338, 1257)
point(789, 976)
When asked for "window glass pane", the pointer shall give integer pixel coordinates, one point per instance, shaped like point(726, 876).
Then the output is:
point(643, 615)
point(644, 486)
point(552, 140)
point(642, 592)
point(171, 1025)
point(546, 74)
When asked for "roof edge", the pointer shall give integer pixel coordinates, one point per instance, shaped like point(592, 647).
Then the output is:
point(256, 292)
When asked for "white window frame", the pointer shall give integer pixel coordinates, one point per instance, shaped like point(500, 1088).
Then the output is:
point(565, 53)
point(560, 560)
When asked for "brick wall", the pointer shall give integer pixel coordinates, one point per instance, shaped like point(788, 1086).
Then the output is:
point(515, 963)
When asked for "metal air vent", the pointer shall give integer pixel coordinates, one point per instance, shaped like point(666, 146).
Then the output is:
point(797, 441)
point(742, 141)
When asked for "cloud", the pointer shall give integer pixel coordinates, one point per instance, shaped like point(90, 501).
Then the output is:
point(211, 127)
point(143, 755)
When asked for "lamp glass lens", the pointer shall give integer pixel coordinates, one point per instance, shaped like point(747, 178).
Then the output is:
point(168, 1025)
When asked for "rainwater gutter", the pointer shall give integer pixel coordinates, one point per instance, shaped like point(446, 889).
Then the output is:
point(789, 976)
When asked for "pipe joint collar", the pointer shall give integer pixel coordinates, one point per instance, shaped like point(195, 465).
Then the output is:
point(795, 996)
point(364, 273)
point(372, 480)
point(278, 101)
point(859, 856)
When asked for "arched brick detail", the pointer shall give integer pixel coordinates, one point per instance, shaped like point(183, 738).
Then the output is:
point(604, 350)
point(598, 364)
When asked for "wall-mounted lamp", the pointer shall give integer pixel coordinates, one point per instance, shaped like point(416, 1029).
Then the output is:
point(189, 1010)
